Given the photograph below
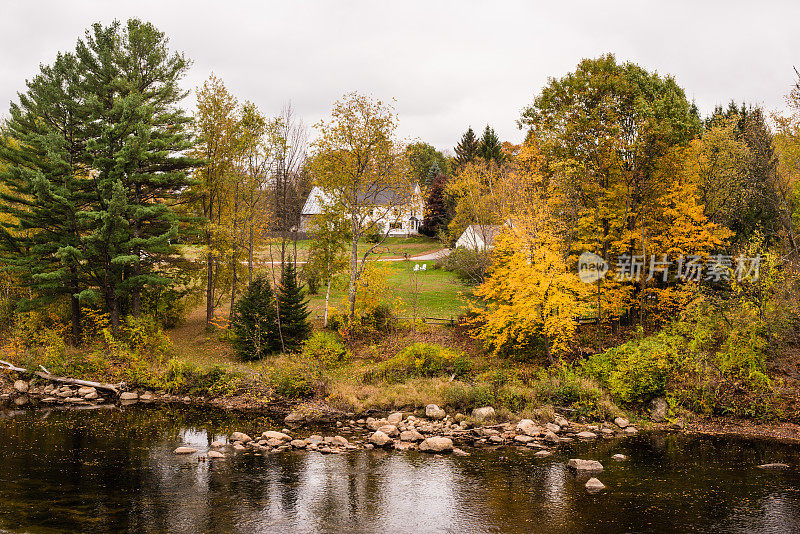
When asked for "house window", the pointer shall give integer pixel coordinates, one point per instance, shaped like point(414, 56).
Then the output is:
point(395, 226)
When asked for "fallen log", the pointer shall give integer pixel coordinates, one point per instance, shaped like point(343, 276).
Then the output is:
point(64, 380)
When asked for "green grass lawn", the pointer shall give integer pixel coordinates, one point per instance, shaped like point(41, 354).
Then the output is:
point(439, 293)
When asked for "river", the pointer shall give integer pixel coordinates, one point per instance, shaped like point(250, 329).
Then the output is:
point(113, 470)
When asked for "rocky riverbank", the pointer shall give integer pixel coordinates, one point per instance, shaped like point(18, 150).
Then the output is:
point(480, 428)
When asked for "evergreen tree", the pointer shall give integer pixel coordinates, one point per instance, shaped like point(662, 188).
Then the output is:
point(292, 309)
point(130, 84)
point(466, 149)
point(45, 189)
point(434, 171)
point(255, 322)
point(489, 147)
point(435, 210)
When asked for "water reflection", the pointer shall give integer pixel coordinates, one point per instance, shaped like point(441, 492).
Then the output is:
point(114, 471)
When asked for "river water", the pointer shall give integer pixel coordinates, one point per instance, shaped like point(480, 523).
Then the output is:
point(114, 471)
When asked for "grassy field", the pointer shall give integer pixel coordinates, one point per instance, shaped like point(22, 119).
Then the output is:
point(438, 293)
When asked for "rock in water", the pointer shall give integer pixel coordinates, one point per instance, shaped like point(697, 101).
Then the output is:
point(411, 435)
point(621, 422)
point(185, 450)
point(594, 486)
point(434, 412)
point(379, 439)
point(529, 428)
point(542, 454)
point(240, 436)
point(271, 434)
point(586, 435)
point(128, 396)
point(659, 409)
point(389, 430)
point(484, 413)
point(436, 444)
point(774, 466)
point(215, 454)
point(585, 465)
point(20, 386)
point(619, 457)
point(298, 443)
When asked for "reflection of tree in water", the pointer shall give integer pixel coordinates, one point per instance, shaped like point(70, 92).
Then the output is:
point(112, 471)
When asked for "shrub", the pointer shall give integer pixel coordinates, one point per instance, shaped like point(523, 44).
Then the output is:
point(469, 265)
point(326, 349)
point(185, 377)
point(254, 323)
point(297, 380)
point(639, 370)
point(421, 360)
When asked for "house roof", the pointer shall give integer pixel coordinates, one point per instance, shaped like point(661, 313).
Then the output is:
point(317, 198)
point(487, 232)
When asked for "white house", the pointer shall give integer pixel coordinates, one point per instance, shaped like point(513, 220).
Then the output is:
point(482, 236)
point(401, 217)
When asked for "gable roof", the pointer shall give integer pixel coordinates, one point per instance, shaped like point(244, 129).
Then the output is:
point(317, 198)
point(487, 232)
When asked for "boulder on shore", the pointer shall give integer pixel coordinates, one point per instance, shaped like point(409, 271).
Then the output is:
point(128, 396)
point(432, 411)
point(20, 386)
point(294, 418)
point(436, 444)
point(621, 422)
point(394, 418)
point(483, 413)
point(528, 427)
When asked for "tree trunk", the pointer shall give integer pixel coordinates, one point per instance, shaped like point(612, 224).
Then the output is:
point(250, 257)
point(351, 290)
point(210, 291)
point(327, 297)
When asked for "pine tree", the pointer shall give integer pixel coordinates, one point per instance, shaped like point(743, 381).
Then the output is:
point(489, 147)
point(466, 149)
point(255, 321)
point(292, 309)
point(44, 189)
point(130, 83)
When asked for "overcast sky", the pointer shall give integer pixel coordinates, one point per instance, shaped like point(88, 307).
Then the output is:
point(449, 64)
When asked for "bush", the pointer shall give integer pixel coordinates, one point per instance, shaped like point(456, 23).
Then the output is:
point(639, 370)
point(372, 323)
point(297, 380)
point(421, 360)
point(326, 349)
point(469, 265)
point(184, 377)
